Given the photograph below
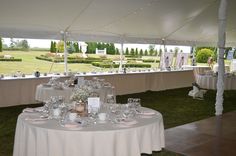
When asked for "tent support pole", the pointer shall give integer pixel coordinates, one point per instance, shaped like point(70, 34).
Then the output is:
point(65, 53)
point(162, 55)
point(121, 57)
point(221, 46)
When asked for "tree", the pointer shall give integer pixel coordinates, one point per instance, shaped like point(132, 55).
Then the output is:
point(60, 46)
point(70, 47)
point(136, 52)
point(13, 43)
point(113, 49)
point(141, 52)
point(51, 46)
point(91, 48)
point(117, 51)
point(155, 52)
point(146, 52)
point(54, 46)
point(127, 51)
point(151, 49)
point(132, 52)
point(23, 45)
point(99, 45)
point(0, 44)
point(76, 46)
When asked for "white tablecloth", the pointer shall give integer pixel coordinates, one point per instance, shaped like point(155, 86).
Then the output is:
point(44, 93)
point(103, 139)
point(23, 89)
point(210, 81)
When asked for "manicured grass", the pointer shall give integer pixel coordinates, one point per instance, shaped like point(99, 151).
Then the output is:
point(29, 64)
point(176, 107)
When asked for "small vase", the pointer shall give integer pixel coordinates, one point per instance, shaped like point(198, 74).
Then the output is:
point(81, 108)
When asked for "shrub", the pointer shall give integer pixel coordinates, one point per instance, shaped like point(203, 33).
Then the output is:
point(203, 55)
point(42, 57)
point(11, 59)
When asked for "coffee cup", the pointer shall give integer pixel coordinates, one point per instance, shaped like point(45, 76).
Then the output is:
point(56, 112)
point(72, 116)
point(102, 116)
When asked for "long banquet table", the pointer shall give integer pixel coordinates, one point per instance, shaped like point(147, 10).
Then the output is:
point(47, 138)
point(18, 91)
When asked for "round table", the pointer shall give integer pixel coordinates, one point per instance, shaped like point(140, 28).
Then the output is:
point(47, 138)
point(44, 93)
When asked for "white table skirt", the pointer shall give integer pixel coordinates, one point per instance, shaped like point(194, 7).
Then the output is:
point(210, 82)
point(104, 139)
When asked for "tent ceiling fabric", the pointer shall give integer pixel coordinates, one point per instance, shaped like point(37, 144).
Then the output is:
point(179, 22)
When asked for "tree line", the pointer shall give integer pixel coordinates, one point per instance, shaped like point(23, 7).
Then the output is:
point(22, 45)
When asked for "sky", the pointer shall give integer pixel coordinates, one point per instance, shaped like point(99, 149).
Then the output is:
point(46, 44)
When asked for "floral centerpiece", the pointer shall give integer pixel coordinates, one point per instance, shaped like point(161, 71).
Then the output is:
point(80, 96)
point(81, 93)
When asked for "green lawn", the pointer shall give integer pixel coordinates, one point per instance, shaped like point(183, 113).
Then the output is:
point(176, 107)
point(30, 64)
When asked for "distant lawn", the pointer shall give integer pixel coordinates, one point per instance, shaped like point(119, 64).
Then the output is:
point(30, 64)
point(175, 105)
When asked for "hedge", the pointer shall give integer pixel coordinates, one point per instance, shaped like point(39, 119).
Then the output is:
point(131, 56)
point(70, 59)
point(43, 58)
point(105, 65)
point(11, 59)
point(130, 65)
point(151, 60)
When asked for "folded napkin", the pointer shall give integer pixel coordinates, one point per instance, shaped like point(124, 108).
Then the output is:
point(146, 112)
point(73, 126)
point(130, 122)
point(36, 119)
point(125, 122)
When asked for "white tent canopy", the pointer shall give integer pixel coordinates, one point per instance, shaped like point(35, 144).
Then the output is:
point(179, 22)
